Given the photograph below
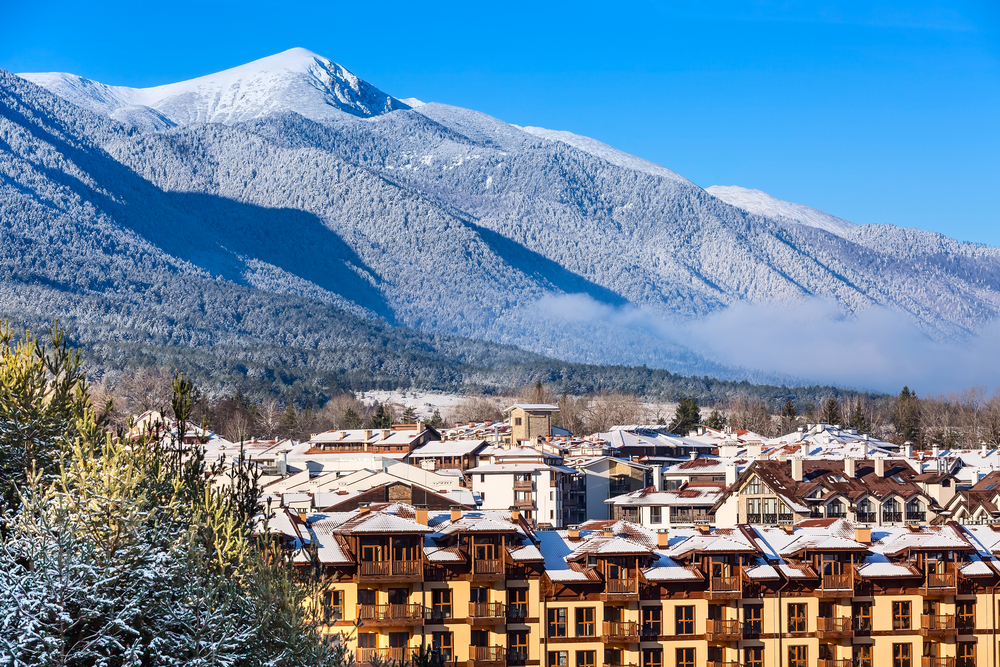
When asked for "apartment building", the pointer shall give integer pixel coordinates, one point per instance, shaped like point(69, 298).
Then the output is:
point(485, 589)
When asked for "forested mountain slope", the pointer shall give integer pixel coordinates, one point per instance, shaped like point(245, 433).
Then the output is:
point(291, 219)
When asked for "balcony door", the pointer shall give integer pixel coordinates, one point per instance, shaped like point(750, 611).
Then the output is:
point(371, 553)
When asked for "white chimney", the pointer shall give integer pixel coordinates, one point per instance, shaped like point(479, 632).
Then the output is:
point(693, 455)
point(657, 476)
point(935, 451)
point(908, 449)
point(732, 472)
point(797, 468)
point(880, 466)
point(849, 466)
point(984, 450)
point(804, 450)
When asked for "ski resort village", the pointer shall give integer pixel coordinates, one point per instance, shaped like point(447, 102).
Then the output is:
point(518, 543)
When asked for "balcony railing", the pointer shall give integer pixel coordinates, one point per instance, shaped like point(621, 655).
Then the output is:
point(867, 517)
point(722, 628)
point(368, 655)
point(622, 630)
point(621, 664)
point(933, 661)
point(729, 584)
point(487, 566)
point(934, 623)
point(827, 662)
point(941, 580)
point(770, 519)
point(620, 586)
point(786, 519)
point(830, 626)
point(837, 582)
point(965, 624)
point(486, 610)
point(391, 612)
point(891, 517)
point(753, 518)
point(387, 568)
point(916, 516)
point(523, 486)
point(487, 653)
point(722, 663)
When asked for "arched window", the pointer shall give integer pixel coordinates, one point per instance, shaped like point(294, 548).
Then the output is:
point(914, 510)
point(866, 511)
point(835, 509)
point(890, 511)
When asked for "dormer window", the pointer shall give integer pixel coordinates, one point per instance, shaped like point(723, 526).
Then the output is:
point(835, 509)
point(755, 487)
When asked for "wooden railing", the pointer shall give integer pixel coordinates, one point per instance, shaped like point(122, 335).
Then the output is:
point(621, 664)
point(827, 662)
point(524, 486)
point(613, 629)
point(931, 661)
point(837, 582)
point(620, 586)
point(391, 612)
point(487, 566)
point(487, 653)
point(936, 622)
point(385, 568)
point(725, 584)
point(486, 610)
point(367, 655)
point(722, 663)
point(715, 626)
point(834, 624)
point(941, 580)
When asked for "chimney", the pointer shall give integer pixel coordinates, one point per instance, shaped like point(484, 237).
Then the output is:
point(732, 472)
point(657, 477)
point(693, 455)
point(849, 467)
point(984, 450)
point(302, 516)
point(797, 468)
point(662, 538)
point(421, 514)
point(364, 508)
point(935, 451)
point(385, 433)
point(880, 466)
point(908, 449)
point(804, 450)
point(456, 513)
point(515, 514)
point(608, 531)
point(573, 534)
point(863, 535)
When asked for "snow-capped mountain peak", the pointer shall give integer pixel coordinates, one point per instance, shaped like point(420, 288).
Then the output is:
point(761, 203)
point(296, 80)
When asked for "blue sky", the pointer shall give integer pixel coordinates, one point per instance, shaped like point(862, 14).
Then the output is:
point(879, 112)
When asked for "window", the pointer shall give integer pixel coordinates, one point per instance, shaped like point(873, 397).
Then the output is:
point(835, 509)
point(368, 640)
point(862, 655)
point(479, 594)
point(685, 657)
point(901, 615)
point(797, 617)
point(656, 514)
point(965, 610)
point(557, 622)
point(399, 639)
point(753, 619)
point(586, 658)
point(398, 596)
point(753, 656)
point(966, 654)
point(653, 657)
point(517, 421)
point(333, 606)
point(797, 656)
point(367, 596)
point(652, 621)
point(612, 656)
point(517, 645)
point(441, 598)
point(901, 655)
point(558, 659)
point(585, 622)
point(862, 616)
point(717, 612)
point(517, 602)
point(755, 487)
point(480, 638)
point(684, 617)
point(444, 644)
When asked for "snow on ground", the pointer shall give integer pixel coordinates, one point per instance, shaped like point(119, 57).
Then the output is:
point(761, 203)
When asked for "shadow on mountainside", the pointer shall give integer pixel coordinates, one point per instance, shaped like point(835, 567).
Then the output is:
point(214, 233)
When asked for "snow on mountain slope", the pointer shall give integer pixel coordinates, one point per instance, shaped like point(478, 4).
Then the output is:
point(761, 203)
point(605, 152)
point(296, 80)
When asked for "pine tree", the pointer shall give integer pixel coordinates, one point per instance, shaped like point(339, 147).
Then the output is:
point(290, 421)
point(436, 420)
point(382, 417)
point(351, 419)
point(716, 420)
point(906, 416)
point(788, 416)
point(409, 416)
point(859, 421)
point(831, 412)
point(686, 416)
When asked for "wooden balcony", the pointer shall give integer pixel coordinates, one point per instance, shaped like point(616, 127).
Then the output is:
point(391, 570)
point(827, 662)
point(937, 626)
point(723, 630)
point(524, 486)
point(829, 628)
point(940, 583)
point(836, 583)
point(621, 632)
point(929, 661)
point(486, 613)
point(725, 588)
point(620, 590)
point(391, 614)
point(487, 569)
point(487, 655)
point(619, 664)
point(723, 663)
point(383, 655)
